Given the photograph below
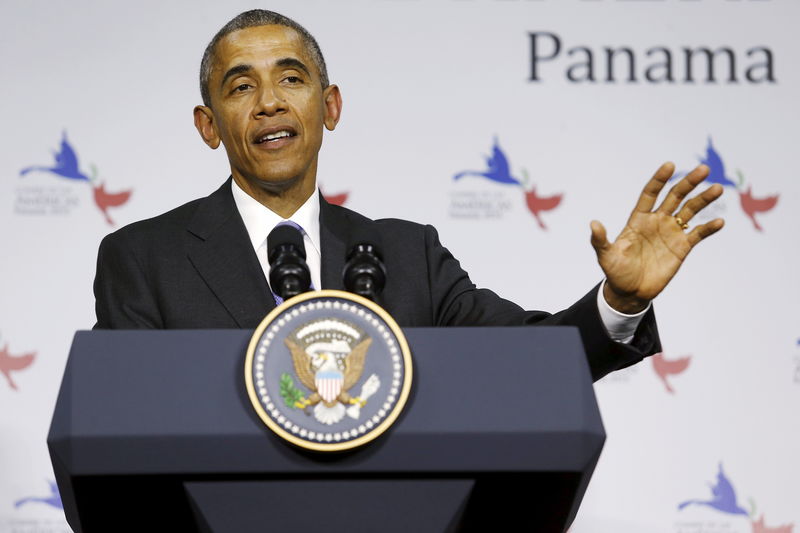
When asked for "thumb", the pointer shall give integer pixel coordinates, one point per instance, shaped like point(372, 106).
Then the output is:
point(599, 241)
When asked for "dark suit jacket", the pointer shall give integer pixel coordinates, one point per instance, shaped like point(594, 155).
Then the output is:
point(194, 267)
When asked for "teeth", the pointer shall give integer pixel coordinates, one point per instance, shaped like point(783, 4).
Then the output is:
point(277, 135)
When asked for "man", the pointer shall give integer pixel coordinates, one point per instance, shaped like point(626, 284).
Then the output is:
point(266, 98)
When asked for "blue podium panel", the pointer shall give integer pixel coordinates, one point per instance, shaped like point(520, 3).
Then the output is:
point(146, 411)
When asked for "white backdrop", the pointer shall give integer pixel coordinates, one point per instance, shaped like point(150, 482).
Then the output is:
point(428, 87)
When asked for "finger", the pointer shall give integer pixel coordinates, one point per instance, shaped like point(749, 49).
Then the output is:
point(599, 240)
point(699, 202)
point(650, 192)
point(705, 230)
point(679, 191)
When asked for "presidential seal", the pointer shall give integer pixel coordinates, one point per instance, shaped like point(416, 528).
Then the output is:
point(328, 370)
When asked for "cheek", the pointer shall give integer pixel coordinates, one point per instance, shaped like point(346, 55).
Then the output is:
point(314, 112)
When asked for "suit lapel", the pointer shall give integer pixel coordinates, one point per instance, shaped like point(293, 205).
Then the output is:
point(333, 233)
point(224, 257)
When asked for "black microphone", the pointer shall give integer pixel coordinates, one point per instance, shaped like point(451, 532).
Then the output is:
point(288, 271)
point(364, 273)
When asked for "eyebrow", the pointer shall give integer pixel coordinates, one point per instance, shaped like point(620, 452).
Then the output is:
point(235, 71)
point(292, 62)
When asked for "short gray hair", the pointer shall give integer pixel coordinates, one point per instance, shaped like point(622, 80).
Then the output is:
point(251, 19)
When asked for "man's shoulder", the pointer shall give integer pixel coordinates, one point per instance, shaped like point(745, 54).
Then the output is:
point(384, 225)
point(165, 229)
point(169, 223)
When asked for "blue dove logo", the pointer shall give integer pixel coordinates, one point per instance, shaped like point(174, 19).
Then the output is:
point(66, 163)
point(53, 499)
point(717, 168)
point(498, 170)
point(724, 497)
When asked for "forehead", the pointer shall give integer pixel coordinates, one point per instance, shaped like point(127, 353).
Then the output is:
point(260, 46)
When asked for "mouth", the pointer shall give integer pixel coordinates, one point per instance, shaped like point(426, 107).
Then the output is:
point(274, 137)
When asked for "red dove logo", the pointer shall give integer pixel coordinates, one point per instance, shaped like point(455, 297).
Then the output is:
point(537, 204)
point(665, 367)
point(335, 199)
point(751, 205)
point(759, 527)
point(104, 200)
point(14, 363)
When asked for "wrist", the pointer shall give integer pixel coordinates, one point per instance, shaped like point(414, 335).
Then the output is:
point(623, 303)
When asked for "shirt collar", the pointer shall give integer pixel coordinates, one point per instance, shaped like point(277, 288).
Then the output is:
point(259, 219)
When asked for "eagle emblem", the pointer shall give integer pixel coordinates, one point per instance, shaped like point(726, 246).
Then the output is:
point(328, 370)
point(328, 358)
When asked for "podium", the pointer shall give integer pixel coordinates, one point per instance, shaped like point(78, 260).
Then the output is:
point(153, 431)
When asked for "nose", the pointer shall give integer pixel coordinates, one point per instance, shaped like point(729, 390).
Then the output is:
point(270, 102)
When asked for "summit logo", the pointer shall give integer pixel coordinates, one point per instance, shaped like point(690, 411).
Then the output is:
point(468, 204)
point(751, 205)
point(724, 501)
point(37, 200)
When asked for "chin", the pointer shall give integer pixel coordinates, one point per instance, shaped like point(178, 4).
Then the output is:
point(275, 184)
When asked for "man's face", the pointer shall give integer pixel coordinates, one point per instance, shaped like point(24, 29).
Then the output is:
point(268, 107)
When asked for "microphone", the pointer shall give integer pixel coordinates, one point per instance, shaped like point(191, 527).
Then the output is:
point(364, 273)
point(288, 271)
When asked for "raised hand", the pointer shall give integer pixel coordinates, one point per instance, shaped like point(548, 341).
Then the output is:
point(654, 243)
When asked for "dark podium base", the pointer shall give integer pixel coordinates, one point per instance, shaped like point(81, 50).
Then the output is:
point(379, 505)
point(497, 502)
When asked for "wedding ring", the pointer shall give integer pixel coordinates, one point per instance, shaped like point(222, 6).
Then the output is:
point(681, 223)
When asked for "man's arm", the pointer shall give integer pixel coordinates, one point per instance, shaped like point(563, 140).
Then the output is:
point(457, 302)
point(638, 266)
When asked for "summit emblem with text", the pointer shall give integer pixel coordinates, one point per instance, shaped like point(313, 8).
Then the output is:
point(468, 204)
point(66, 165)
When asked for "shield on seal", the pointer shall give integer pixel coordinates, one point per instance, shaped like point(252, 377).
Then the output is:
point(329, 384)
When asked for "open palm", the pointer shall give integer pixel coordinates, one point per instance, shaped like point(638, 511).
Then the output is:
point(654, 243)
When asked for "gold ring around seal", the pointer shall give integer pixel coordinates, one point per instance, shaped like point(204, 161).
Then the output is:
point(681, 223)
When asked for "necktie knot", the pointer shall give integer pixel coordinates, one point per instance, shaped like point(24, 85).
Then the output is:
point(293, 224)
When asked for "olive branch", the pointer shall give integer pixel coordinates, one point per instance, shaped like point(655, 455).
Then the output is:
point(292, 396)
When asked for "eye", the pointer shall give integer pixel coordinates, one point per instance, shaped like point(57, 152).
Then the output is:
point(293, 79)
point(241, 87)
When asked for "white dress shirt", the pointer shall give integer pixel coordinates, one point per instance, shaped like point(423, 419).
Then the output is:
point(260, 220)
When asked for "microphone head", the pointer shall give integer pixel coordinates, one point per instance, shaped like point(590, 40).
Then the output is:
point(364, 273)
point(283, 237)
point(364, 238)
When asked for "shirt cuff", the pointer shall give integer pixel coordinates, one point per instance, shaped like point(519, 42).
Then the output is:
point(620, 327)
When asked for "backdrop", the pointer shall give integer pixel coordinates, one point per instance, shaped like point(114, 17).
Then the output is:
point(505, 124)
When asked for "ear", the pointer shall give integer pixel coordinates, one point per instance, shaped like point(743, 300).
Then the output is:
point(204, 122)
point(332, 98)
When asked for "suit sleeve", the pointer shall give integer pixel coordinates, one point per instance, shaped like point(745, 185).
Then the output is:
point(456, 301)
point(123, 296)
